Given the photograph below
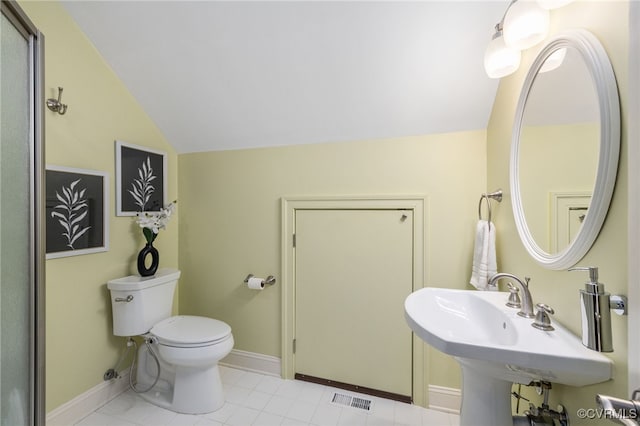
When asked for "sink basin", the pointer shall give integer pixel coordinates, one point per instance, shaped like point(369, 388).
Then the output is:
point(478, 325)
point(495, 347)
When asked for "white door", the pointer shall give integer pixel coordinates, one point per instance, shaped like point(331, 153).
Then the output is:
point(353, 270)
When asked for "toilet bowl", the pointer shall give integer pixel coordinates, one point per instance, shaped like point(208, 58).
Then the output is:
point(187, 348)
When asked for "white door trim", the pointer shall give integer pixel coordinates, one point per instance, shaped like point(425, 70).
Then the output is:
point(289, 205)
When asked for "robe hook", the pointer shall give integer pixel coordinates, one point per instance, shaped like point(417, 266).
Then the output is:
point(56, 105)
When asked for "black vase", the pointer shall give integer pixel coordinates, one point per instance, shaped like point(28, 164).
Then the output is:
point(149, 249)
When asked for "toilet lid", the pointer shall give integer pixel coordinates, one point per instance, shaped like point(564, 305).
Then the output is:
point(185, 329)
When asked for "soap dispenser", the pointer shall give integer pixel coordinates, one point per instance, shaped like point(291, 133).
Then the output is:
point(595, 312)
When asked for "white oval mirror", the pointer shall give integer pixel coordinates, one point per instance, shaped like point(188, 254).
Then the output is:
point(564, 150)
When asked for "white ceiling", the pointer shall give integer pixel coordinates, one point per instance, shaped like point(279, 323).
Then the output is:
point(219, 75)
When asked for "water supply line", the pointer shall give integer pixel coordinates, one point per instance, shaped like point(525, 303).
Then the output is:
point(542, 415)
point(147, 342)
point(112, 373)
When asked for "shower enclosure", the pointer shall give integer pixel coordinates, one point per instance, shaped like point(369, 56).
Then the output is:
point(21, 224)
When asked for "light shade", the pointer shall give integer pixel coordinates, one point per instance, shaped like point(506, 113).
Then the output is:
point(554, 60)
point(553, 4)
point(500, 60)
point(525, 24)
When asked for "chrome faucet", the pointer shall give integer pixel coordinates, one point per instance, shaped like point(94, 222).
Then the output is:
point(527, 303)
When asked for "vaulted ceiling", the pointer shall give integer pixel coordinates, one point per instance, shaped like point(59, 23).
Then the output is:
point(217, 75)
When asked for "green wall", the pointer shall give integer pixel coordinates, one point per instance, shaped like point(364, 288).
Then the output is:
point(230, 220)
point(571, 168)
point(609, 21)
point(229, 205)
point(79, 342)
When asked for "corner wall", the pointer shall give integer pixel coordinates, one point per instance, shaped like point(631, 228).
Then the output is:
point(609, 21)
point(230, 220)
point(79, 342)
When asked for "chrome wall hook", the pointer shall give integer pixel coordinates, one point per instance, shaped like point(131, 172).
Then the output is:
point(56, 105)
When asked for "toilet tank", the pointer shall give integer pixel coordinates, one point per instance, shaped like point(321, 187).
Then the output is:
point(138, 303)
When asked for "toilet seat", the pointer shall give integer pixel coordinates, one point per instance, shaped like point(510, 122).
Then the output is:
point(190, 331)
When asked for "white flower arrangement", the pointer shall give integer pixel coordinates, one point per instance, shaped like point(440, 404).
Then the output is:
point(152, 222)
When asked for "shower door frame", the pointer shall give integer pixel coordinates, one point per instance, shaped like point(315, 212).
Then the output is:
point(633, 268)
point(37, 409)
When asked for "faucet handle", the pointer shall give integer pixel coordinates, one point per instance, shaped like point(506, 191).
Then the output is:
point(526, 281)
point(543, 322)
point(514, 297)
point(546, 308)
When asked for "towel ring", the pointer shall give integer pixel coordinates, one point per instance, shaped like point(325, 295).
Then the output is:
point(496, 195)
point(484, 197)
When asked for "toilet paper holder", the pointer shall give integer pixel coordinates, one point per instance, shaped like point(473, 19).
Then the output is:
point(270, 280)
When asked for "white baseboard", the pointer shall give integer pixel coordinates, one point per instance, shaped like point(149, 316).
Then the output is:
point(86, 403)
point(251, 361)
point(445, 399)
point(440, 398)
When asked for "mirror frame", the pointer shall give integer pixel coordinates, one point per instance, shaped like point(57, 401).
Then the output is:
point(597, 61)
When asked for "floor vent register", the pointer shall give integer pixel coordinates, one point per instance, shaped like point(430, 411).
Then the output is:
point(351, 401)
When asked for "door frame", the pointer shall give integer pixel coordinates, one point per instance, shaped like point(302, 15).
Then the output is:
point(289, 205)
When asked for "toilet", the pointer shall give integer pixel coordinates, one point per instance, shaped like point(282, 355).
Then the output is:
point(188, 348)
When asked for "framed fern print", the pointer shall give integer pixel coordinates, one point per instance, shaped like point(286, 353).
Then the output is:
point(77, 215)
point(141, 179)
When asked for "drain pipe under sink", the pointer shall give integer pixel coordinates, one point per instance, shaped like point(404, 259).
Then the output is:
point(543, 415)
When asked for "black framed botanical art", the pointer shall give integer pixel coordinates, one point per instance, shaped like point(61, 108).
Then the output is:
point(77, 217)
point(141, 179)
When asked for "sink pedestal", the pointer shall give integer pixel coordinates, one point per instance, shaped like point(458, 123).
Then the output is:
point(486, 400)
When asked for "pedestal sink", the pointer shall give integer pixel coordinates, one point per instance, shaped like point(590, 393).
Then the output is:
point(495, 347)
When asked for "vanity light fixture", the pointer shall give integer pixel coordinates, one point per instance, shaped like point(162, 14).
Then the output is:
point(525, 23)
point(554, 60)
point(553, 4)
point(499, 59)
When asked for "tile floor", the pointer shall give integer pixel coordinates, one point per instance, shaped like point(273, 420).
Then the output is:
point(255, 399)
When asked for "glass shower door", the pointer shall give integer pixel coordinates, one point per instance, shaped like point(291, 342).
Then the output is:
point(21, 349)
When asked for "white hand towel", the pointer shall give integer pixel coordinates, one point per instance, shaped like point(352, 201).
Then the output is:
point(484, 255)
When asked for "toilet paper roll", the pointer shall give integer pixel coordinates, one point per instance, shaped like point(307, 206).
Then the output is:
point(255, 283)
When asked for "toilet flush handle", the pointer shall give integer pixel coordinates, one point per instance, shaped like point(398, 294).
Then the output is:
point(127, 299)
